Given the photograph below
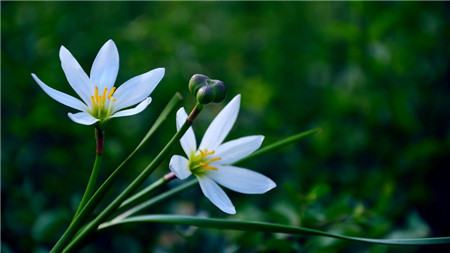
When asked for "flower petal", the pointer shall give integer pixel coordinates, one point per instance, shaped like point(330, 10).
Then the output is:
point(221, 125)
point(188, 142)
point(83, 118)
point(137, 88)
point(76, 76)
point(232, 151)
point(180, 166)
point(59, 96)
point(241, 180)
point(105, 67)
point(139, 108)
point(216, 195)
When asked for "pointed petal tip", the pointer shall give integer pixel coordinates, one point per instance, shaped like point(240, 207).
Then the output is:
point(271, 184)
point(260, 138)
point(237, 97)
point(181, 110)
point(62, 49)
point(161, 71)
point(236, 102)
point(36, 78)
point(230, 211)
point(64, 54)
point(110, 43)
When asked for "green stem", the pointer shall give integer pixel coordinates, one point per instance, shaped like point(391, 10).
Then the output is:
point(99, 140)
point(95, 199)
point(156, 199)
point(150, 202)
point(281, 144)
point(147, 190)
point(272, 147)
point(136, 182)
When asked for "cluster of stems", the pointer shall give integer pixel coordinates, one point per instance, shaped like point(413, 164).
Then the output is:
point(79, 228)
point(127, 204)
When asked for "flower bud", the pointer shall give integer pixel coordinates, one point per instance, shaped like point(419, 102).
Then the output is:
point(197, 81)
point(207, 90)
point(220, 90)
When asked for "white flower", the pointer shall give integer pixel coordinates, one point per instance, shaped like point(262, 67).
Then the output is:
point(211, 161)
point(100, 100)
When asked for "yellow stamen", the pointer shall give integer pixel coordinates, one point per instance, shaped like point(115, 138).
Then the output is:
point(111, 92)
point(200, 162)
point(209, 167)
point(101, 108)
point(96, 93)
point(104, 96)
point(205, 153)
point(214, 159)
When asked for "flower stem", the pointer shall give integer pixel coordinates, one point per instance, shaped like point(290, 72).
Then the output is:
point(99, 141)
point(147, 190)
point(95, 199)
point(136, 182)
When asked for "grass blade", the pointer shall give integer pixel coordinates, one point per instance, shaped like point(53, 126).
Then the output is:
point(270, 228)
point(282, 143)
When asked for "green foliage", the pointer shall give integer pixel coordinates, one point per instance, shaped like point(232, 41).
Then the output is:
point(373, 76)
point(257, 226)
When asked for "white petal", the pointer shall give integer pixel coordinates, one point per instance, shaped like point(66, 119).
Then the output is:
point(216, 195)
point(137, 88)
point(235, 150)
point(242, 180)
point(188, 142)
point(105, 67)
point(76, 76)
point(221, 125)
point(139, 108)
point(180, 166)
point(83, 118)
point(59, 96)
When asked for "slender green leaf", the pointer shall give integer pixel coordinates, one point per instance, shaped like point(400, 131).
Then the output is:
point(134, 198)
point(282, 143)
point(152, 201)
point(91, 184)
point(271, 228)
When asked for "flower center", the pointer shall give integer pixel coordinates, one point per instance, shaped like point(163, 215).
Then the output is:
point(200, 162)
point(102, 103)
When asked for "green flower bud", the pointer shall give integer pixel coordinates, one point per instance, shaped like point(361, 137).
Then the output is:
point(197, 81)
point(207, 90)
point(220, 91)
point(205, 95)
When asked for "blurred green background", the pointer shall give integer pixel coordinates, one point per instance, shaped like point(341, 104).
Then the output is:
point(373, 76)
